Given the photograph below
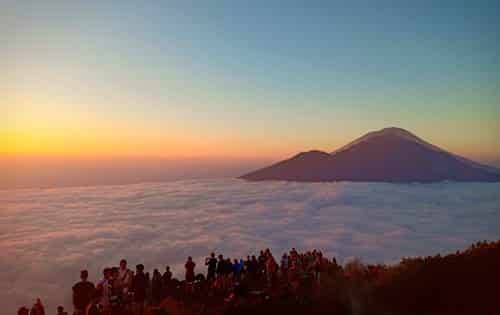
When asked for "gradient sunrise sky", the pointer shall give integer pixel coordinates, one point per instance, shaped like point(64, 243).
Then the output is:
point(253, 79)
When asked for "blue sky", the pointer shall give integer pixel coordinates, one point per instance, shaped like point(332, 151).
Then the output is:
point(228, 78)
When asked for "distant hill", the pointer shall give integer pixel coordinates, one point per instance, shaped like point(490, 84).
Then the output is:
point(387, 155)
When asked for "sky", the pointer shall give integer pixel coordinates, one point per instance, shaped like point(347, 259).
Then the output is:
point(233, 80)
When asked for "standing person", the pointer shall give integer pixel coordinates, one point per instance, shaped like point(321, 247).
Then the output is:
point(124, 281)
point(237, 267)
point(124, 278)
point(166, 280)
point(115, 292)
point(103, 290)
point(254, 266)
point(261, 269)
point(220, 266)
point(219, 282)
point(37, 308)
point(190, 277)
point(284, 264)
point(138, 288)
point(211, 262)
point(190, 269)
point(156, 287)
point(247, 265)
point(242, 268)
point(83, 291)
point(228, 272)
point(148, 288)
point(318, 267)
point(271, 269)
point(228, 267)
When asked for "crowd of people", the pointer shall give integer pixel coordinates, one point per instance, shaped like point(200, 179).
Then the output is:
point(123, 291)
point(296, 283)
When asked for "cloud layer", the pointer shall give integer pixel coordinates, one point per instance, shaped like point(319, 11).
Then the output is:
point(48, 235)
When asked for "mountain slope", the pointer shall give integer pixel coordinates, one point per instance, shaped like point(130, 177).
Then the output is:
point(389, 155)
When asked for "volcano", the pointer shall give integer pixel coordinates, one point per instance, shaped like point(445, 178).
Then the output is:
point(388, 155)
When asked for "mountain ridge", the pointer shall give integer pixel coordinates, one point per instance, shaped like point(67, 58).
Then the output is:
point(387, 155)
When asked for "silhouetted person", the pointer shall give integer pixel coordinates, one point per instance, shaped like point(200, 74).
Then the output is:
point(284, 263)
point(247, 264)
point(148, 288)
point(242, 266)
point(23, 311)
point(220, 266)
point(190, 269)
point(271, 268)
point(156, 287)
point(318, 266)
point(166, 280)
point(261, 263)
point(37, 308)
point(228, 267)
point(237, 267)
point(83, 291)
point(211, 262)
point(139, 287)
point(255, 265)
point(60, 310)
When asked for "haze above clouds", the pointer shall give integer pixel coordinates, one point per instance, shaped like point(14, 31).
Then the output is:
point(48, 235)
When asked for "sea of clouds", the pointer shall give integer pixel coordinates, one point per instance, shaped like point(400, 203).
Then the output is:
point(48, 235)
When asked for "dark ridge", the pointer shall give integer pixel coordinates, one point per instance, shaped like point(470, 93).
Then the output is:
point(464, 283)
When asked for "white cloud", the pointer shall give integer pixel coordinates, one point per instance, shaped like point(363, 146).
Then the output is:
point(48, 235)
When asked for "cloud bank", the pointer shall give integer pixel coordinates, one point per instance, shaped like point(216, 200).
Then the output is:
point(48, 235)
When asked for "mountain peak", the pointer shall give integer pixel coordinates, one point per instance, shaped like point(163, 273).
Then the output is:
point(312, 153)
point(395, 131)
point(391, 154)
point(389, 131)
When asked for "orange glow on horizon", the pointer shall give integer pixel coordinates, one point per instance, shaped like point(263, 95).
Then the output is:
point(135, 144)
point(126, 144)
point(53, 129)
